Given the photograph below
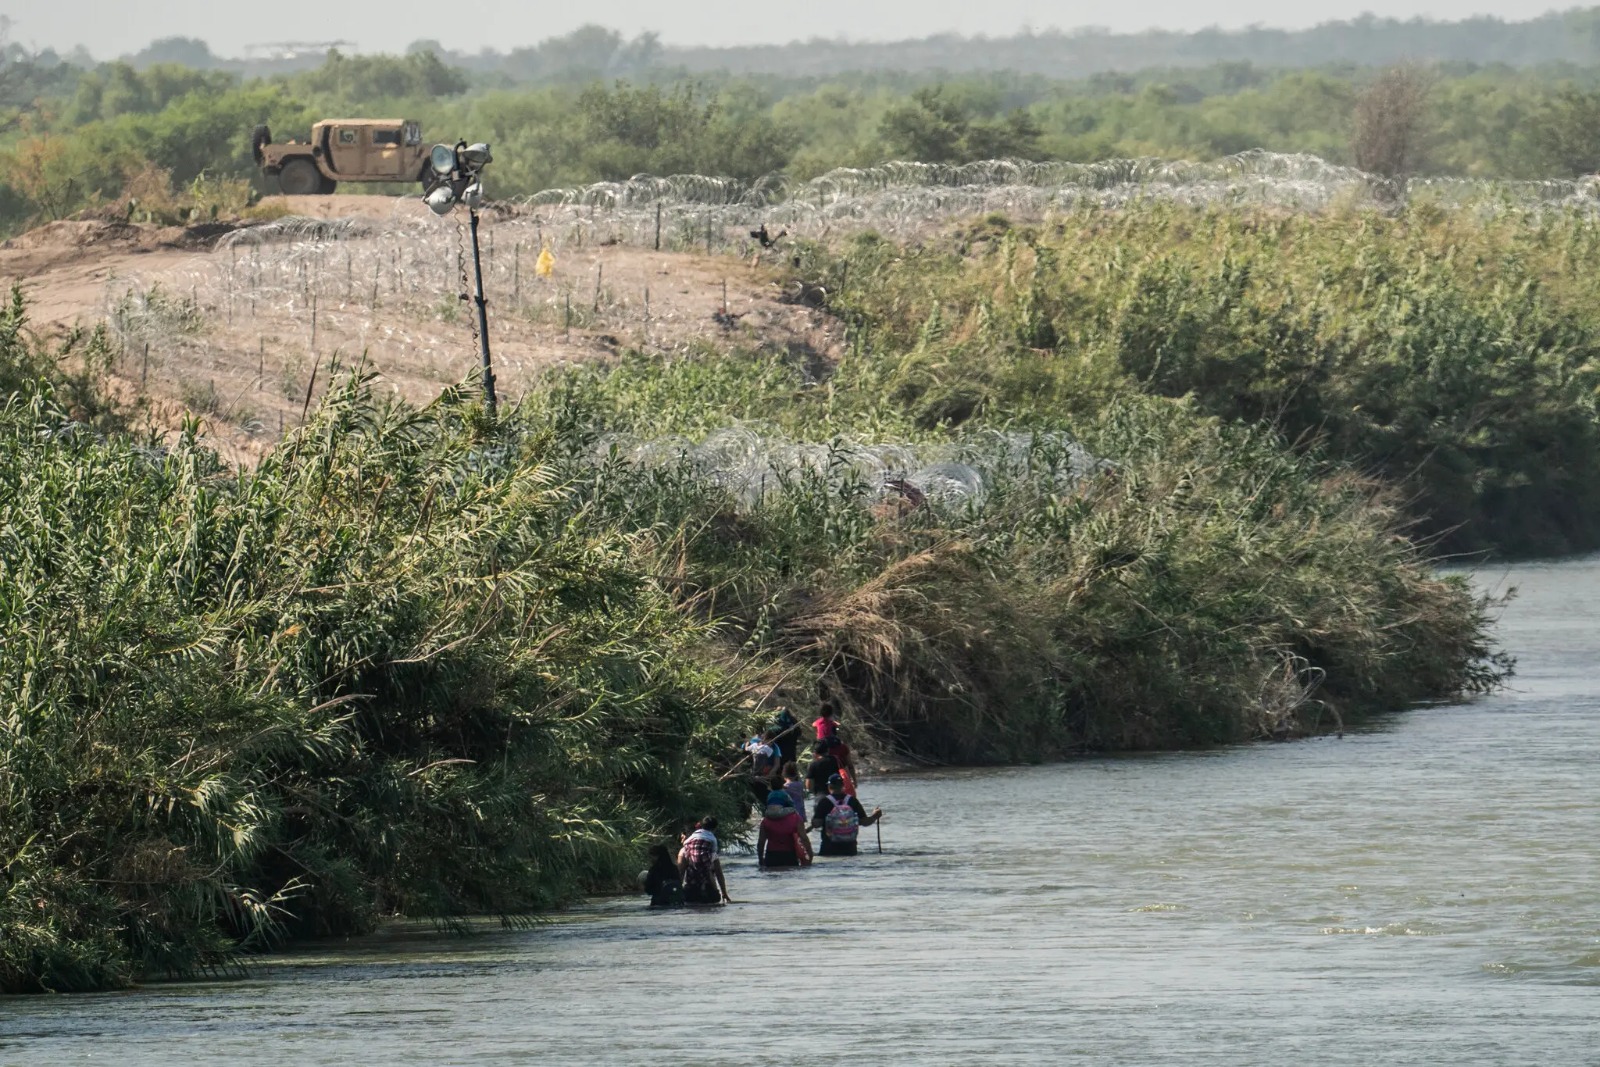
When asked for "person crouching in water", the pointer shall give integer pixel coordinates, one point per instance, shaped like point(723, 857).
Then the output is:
point(662, 881)
point(701, 866)
point(840, 817)
point(782, 840)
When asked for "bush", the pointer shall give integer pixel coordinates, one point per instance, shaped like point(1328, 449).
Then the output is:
point(1449, 352)
point(388, 671)
point(1177, 591)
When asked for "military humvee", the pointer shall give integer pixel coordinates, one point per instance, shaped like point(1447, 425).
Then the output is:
point(344, 150)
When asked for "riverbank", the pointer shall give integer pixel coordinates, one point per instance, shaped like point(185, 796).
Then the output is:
point(416, 663)
point(1418, 891)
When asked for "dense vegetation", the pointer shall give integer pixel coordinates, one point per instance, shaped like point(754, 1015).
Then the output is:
point(417, 663)
point(70, 138)
point(392, 669)
point(1455, 354)
point(1174, 476)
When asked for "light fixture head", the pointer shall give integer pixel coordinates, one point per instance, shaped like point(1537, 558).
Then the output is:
point(472, 196)
point(441, 200)
point(476, 156)
point(442, 158)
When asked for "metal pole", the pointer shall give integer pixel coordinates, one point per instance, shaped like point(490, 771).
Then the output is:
point(483, 318)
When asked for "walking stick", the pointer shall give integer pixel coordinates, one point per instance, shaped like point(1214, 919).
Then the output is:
point(879, 826)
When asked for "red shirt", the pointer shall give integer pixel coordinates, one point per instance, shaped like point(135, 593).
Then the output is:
point(826, 728)
point(781, 832)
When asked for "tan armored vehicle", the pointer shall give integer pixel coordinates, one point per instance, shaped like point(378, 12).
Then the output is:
point(344, 150)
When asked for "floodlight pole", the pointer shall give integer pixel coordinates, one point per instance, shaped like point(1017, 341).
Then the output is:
point(483, 317)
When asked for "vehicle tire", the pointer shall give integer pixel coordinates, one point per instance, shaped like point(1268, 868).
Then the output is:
point(300, 177)
point(328, 185)
point(260, 137)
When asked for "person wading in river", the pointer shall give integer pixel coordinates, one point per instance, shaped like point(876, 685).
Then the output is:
point(847, 764)
point(782, 840)
point(701, 866)
point(787, 738)
point(795, 788)
point(662, 881)
point(823, 766)
point(840, 817)
point(764, 765)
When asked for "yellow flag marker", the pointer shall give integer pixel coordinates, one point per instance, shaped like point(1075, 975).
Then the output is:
point(546, 265)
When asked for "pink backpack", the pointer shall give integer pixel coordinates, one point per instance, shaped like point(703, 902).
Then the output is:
point(841, 823)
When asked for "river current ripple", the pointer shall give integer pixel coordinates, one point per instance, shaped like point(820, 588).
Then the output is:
point(1420, 892)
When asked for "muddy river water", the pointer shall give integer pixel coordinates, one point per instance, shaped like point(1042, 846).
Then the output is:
point(1421, 892)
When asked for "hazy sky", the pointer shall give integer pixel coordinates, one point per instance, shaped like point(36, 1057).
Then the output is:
point(114, 27)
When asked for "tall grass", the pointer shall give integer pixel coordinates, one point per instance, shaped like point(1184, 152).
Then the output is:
point(391, 670)
point(976, 595)
point(1452, 353)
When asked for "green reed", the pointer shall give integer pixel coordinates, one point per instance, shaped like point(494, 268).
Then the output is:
point(392, 670)
point(1452, 352)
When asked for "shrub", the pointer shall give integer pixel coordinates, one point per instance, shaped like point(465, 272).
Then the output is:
point(390, 670)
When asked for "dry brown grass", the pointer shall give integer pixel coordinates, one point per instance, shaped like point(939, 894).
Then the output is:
point(386, 284)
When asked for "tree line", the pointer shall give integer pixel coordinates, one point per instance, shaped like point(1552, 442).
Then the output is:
point(593, 51)
point(75, 143)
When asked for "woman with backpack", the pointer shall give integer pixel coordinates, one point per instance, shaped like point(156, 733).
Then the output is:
point(782, 840)
point(840, 817)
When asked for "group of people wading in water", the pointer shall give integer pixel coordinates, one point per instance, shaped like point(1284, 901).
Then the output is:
point(694, 875)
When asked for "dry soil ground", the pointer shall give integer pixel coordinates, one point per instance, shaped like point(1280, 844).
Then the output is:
point(239, 321)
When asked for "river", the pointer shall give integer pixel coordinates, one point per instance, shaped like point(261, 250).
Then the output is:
point(1420, 892)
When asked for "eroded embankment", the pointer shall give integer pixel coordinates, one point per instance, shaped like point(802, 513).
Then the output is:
point(231, 323)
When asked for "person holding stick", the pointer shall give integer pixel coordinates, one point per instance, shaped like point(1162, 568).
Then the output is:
point(840, 817)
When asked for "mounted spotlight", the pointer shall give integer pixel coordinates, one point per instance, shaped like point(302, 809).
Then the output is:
point(441, 200)
point(458, 179)
point(443, 160)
